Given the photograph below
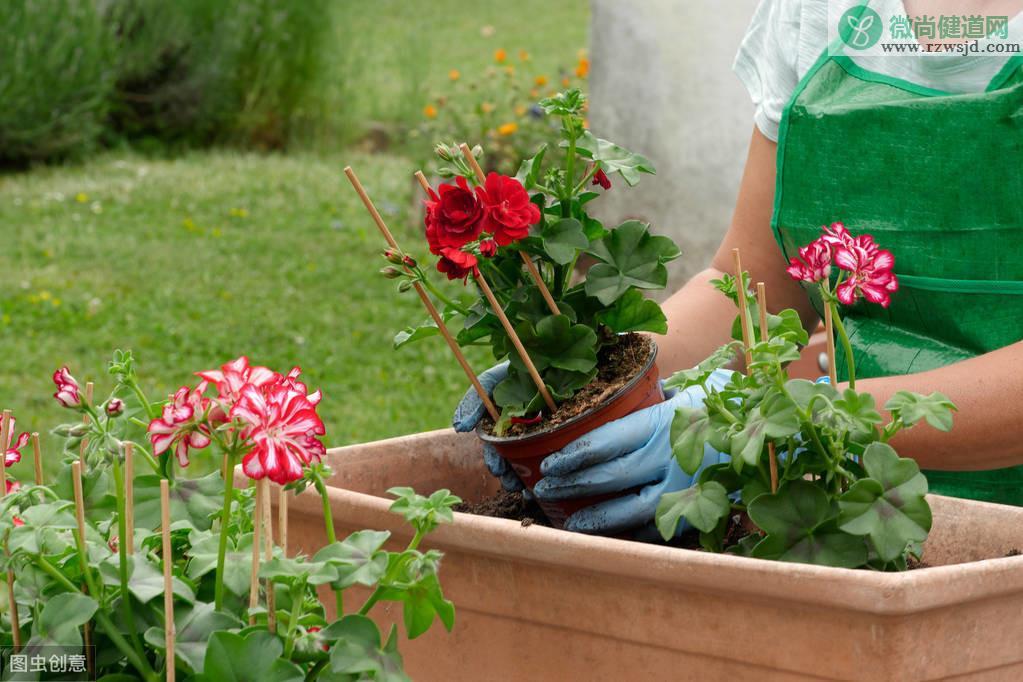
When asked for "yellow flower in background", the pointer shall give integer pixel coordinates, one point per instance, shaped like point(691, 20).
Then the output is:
point(430, 111)
point(523, 56)
point(509, 70)
point(238, 213)
point(507, 128)
point(520, 110)
point(486, 107)
point(540, 81)
point(582, 68)
point(534, 93)
point(500, 56)
point(586, 123)
point(454, 74)
point(565, 82)
point(81, 197)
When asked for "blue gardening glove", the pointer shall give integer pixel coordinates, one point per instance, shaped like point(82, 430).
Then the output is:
point(468, 414)
point(629, 452)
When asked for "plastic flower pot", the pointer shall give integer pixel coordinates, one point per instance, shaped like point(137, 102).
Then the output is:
point(536, 603)
point(525, 453)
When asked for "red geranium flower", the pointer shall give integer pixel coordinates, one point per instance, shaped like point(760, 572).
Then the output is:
point(870, 272)
point(600, 178)
point(67, 393)
point(453, 216)
point(509, 210)
point(813, 263)
point(283, 426)
point(181, 425)
point(488, 248)
point(456, 264)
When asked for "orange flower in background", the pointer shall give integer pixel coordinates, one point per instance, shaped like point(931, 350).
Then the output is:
point(540, 81)
point(523, 56)
point(509, 70)
point(507, 128)
point(500, 56)
point(430, 111)
point(486, 107)
point(583, 67)
point(565, 82)
point(520, 110)
point(454, 74)
point(534, 93)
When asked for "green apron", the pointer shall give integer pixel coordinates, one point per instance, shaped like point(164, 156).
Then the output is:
point(937, 178)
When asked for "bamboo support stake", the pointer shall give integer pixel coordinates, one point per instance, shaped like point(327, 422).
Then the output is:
point(425, 298)
point(128, 543)
point(12, 602)
point(282, 519)
point(829, 331)
point(37, 458)
point(257, 523)
point(508, 328)
point(168, 589)
point(772, 454)
point(746, 323)
point(76, 479)
point(268, 554)
point(470, 158)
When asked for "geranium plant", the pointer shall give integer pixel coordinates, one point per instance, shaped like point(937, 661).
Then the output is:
point(480, 230)
point(229, 623)
point(843, 496)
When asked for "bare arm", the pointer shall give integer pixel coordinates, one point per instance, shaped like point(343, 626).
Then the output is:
point(700, 318)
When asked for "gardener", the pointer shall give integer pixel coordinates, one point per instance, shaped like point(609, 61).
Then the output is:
point(925, 152)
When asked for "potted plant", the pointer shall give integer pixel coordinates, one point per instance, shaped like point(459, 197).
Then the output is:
point(89, 554)
point(576, 357)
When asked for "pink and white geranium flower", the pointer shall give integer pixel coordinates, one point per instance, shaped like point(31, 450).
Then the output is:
point(870, 272)
point(813, 264)
point(12, 448)
point(282, 424)
point(182, 423)
point(235, 375)
point(68, 393)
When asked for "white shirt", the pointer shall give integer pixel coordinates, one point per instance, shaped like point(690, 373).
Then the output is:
point(787, 37)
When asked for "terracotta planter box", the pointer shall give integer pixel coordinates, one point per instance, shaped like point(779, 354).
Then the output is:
point(540, 604)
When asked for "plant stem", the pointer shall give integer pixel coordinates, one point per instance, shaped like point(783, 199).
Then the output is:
point(122, 557)
point(846, 345)
point(441, 297)
point(314, 672)
point(375, 597)
point(328, 520)
point(225, 523)
point(297, 603)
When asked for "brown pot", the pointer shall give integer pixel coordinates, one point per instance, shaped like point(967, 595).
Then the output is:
point(535, 603)
point(525, 453)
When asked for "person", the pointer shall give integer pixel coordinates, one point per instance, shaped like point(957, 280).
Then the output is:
point(924, 152)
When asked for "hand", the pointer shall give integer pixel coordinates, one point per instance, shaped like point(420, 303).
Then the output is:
point(629, 452)
point(468, 414)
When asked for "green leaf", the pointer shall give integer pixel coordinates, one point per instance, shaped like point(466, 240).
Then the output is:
point(804, 392)
point(195, 499)
point(632, 257)
point(778, 350)
point(359, 558)
point(936, 409)
point(145, 579)
point(568, 103)
point(425, 330)
point(634, 313)
point(423, 602)
point(775, 417)
point(702, 505)
point(254, 657)
point(358, 650)
point(786, 324)
point(697, 376)
point(614, 159)
point(288, 571)
point(237, 562)
point(890, 507)
point(424, 513)
point(689, 433)
point(855, 412)
point(564, 240)
point(61, 617)
point(556, 342)
point(799, 522)
point(193, 625)
point(530, 169)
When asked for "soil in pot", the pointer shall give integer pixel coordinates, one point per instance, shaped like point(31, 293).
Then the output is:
point(616, 366)
point(507, 505)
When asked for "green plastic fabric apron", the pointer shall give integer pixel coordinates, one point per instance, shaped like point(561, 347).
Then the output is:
point(937, 178)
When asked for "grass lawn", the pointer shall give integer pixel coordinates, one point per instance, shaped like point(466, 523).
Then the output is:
point(193, 261)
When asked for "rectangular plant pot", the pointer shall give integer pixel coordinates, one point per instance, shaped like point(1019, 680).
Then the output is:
point(535, 603)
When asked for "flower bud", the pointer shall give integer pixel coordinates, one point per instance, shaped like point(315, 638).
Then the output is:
point(391, 273)
point(404, 285)
point(477, 151)
point(392, 256)
point(409, 261)
point(115, 407)
point(442, 151)
point(488, 248)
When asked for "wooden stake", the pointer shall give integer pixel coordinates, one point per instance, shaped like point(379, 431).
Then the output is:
point(37, 458)
point(470, 158)
point(771, 452)
point(257, 523)
point(282, 519)
point(168, 589)
point(76, 479)
point(268, 554)
point(85, 418)
point(12, 602)
point(128, 543)
point(829, 329)
point(746, 323)
point(508, 328)
point(425, 298)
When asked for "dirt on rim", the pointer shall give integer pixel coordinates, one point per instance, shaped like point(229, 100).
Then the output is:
point(617, 365)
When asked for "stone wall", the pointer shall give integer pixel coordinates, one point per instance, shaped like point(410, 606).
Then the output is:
point(662, 85)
